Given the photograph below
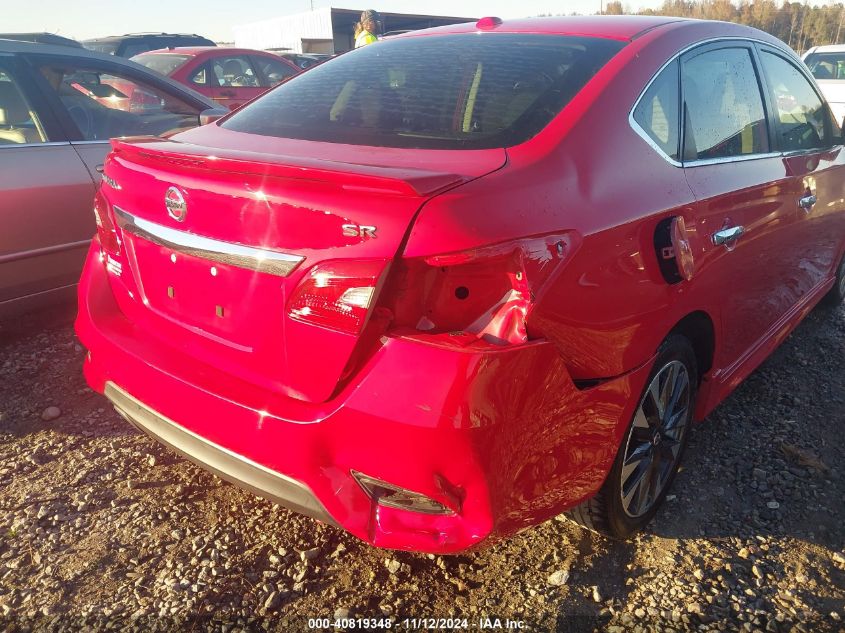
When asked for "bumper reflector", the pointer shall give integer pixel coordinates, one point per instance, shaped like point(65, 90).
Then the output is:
point(391, 496)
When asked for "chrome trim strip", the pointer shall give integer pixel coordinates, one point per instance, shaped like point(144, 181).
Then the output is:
point(47, 144)
point(644, 135)
point(729, 159)
point(248, 257)
point(47, 250)
point(237, 469)
point(639, 131)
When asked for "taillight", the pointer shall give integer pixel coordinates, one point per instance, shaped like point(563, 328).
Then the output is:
point(109, 240)
point(337, 294)
point(487, 293)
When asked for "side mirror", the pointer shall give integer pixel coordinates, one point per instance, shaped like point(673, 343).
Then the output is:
point(212, 114)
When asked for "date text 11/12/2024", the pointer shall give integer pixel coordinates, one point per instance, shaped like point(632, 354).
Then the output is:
point(416, 624)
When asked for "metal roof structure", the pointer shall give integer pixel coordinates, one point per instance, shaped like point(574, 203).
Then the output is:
point(326, 30)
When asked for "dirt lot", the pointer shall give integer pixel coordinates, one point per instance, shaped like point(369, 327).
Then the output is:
point(101, 526)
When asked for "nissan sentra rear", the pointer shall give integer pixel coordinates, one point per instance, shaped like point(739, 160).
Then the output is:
point(422, 291)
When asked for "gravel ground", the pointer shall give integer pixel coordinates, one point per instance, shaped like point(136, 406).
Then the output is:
point(101, 526)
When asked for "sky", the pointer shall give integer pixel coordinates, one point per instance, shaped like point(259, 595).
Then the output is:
point(81, 19)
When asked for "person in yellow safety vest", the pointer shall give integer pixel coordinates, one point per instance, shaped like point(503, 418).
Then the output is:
point(367, 28)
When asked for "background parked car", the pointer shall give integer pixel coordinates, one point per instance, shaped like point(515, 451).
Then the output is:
point(41, 38)
point(58, 108)
point(135, 43)
point(230, 76)
point(827, 63)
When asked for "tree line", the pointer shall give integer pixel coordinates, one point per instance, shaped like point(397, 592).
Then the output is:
point(800, 25)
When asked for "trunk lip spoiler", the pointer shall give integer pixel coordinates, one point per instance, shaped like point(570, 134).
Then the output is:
point(349, 175)
point(248, 257)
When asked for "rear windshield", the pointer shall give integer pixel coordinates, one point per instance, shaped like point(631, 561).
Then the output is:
point(466, 91)
point(827, 65)
point(161, 62)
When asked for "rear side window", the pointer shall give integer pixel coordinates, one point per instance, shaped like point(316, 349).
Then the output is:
point(802, 118)
point(463, 91)
point(724, 106)
point(658, 112)
point(200, 76)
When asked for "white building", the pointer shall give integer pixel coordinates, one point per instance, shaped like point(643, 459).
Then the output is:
point(326, 30)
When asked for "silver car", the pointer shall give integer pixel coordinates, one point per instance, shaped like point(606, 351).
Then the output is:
point(59, 106)
point(827, 63)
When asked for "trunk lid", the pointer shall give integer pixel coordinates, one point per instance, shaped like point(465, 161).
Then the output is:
point(214, 242)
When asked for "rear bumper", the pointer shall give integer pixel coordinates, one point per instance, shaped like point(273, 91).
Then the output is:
point(502, 437)
point(234, 468)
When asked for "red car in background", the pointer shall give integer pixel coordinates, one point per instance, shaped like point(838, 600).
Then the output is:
point(229, 76)
point(454, 283)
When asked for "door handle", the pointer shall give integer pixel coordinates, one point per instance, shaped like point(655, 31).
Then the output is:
point(726, 236)
point(807, 202)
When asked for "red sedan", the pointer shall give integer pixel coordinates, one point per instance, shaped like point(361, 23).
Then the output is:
point(230, 76)
point(437, 312)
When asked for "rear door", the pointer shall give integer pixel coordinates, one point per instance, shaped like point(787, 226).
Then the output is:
point(234, 80)
point(812, 154)
point(45, 193)
point(744, 207)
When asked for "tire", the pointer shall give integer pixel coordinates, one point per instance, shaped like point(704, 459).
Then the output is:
point(836, 296)
point(616, 510)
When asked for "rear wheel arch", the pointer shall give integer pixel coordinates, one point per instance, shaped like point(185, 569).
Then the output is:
point(699, 329)
point(608, 512)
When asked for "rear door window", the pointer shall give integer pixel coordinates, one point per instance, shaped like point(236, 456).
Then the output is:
point(803, 119)
point(724, 115)
point(470, 91)
point(107, 103)
point(658, 111)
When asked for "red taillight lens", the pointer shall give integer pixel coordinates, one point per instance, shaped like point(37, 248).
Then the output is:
point(485, 293)
point(105, 227)
point(337, 294)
